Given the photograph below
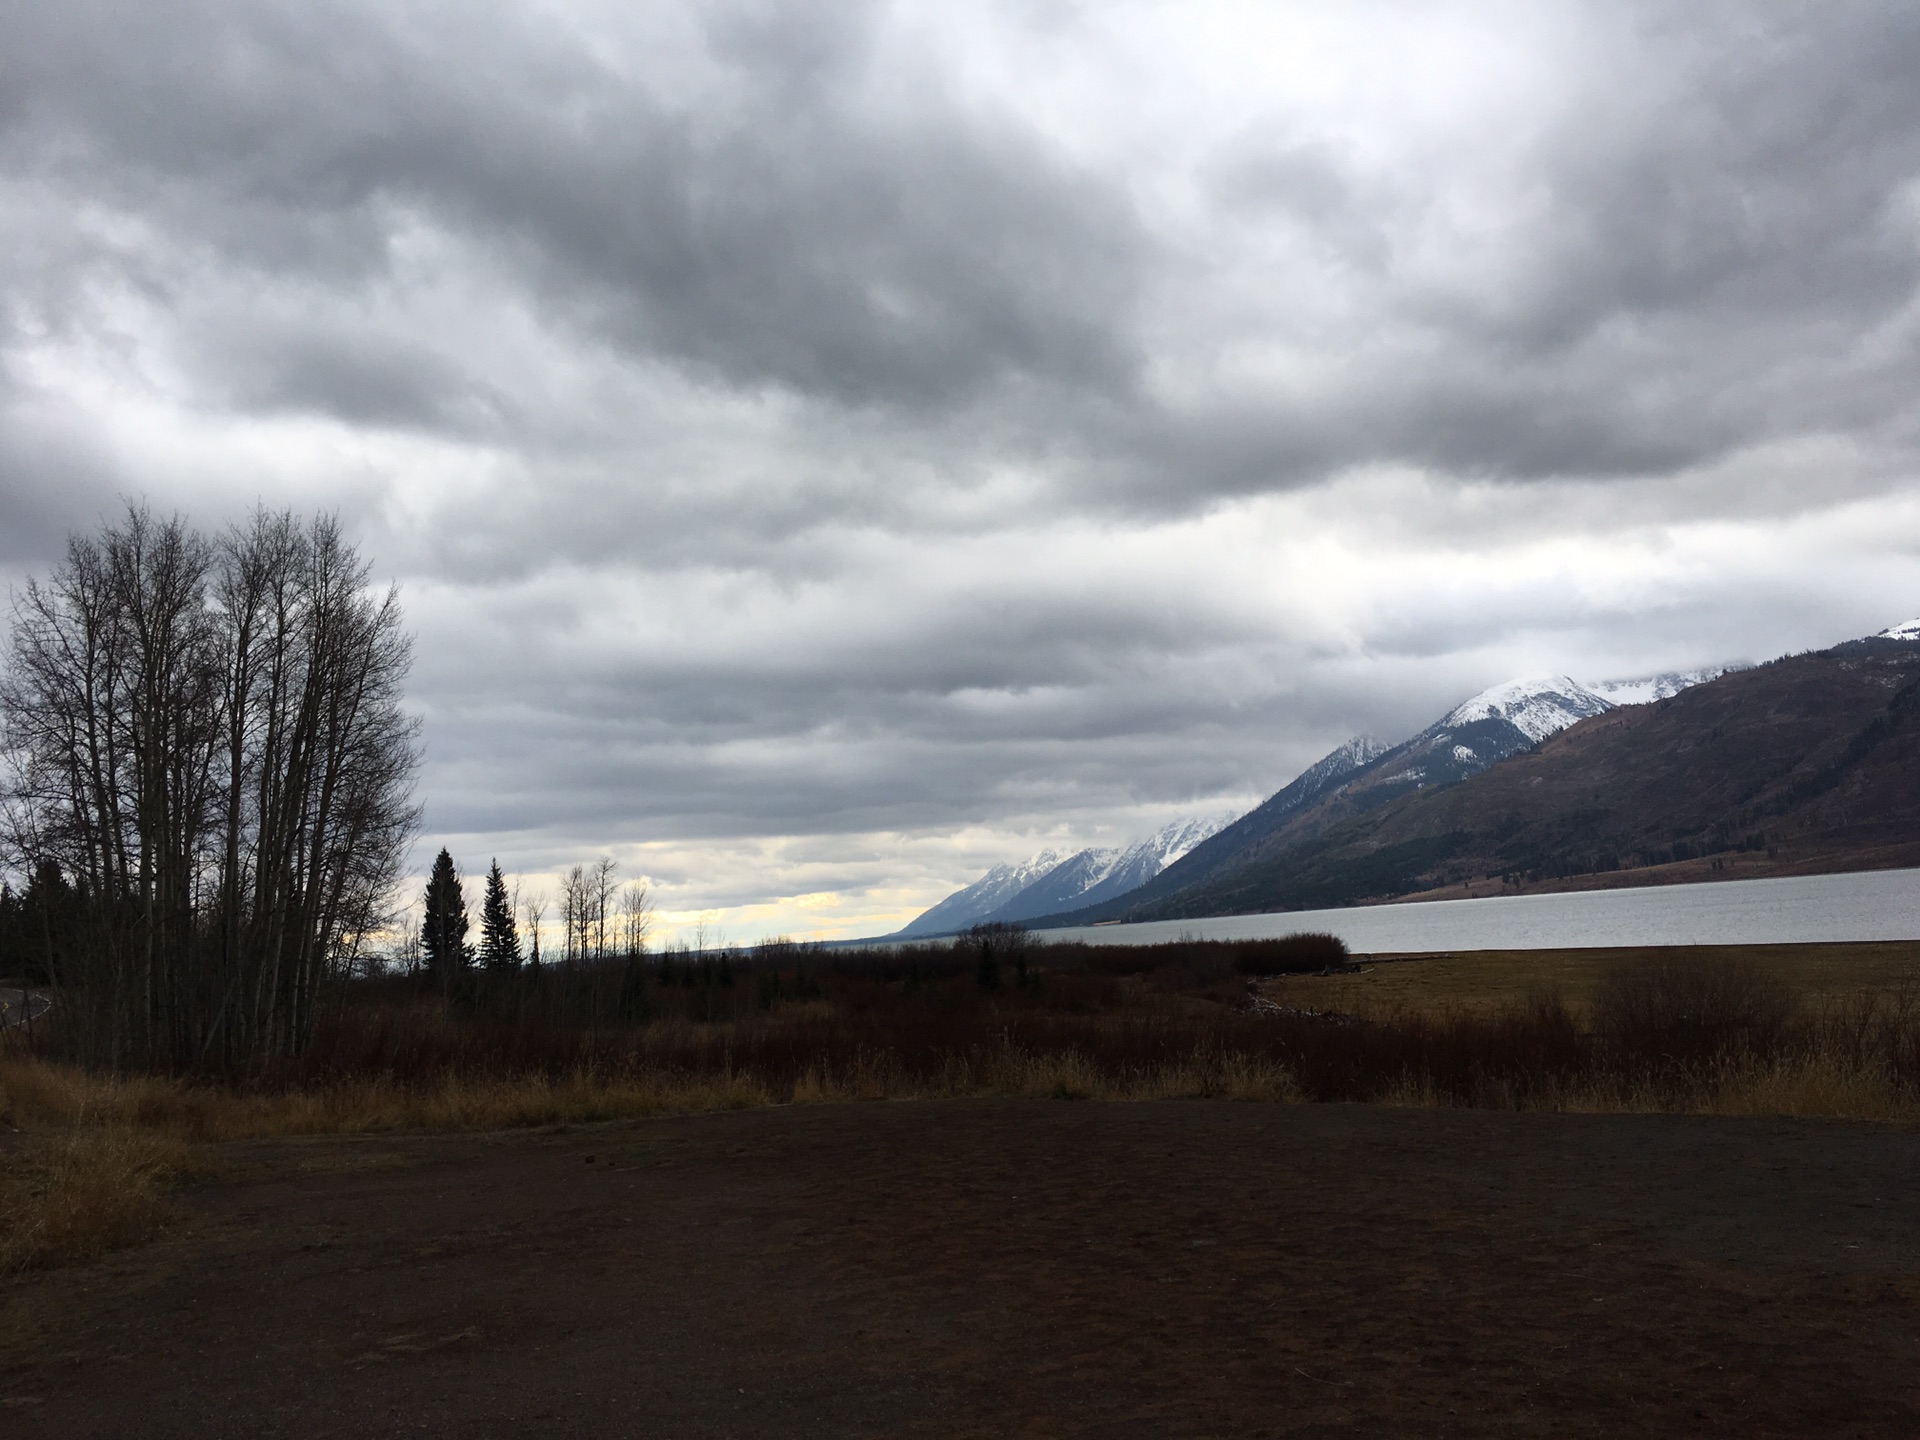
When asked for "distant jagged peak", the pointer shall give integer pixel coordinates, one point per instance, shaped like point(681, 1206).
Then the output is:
point(1171, 841)
point(1093, 875)
point(1907, 630)
point(1021, 871)
point(1362, 749)
point(983, 896)
point(1537, 706)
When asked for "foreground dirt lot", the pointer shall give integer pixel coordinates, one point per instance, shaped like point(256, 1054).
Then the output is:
point(1002, 1268)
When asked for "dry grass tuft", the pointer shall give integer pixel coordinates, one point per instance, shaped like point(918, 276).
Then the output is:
point(38, 1095)
point(1413, 1092)
point(81, 1195)
point(1069, 1074)
point(1817, 1086)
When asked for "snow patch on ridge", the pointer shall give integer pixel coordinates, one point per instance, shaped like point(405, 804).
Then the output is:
point(1085, 877)
point(1172, 842)
point(1360, 750)
point(980, 899)
point(1648, 688)
point(1537, 707)
point(1096, 875)
point(1908, 631)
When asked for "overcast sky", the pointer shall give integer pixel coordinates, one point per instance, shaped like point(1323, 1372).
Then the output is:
point(828, 449)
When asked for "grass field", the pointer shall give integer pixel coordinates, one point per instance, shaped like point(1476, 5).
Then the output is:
point(1483, 981)
point(1834, 1031)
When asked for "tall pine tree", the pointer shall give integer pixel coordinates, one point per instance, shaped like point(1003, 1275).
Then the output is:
point(443, 933)
point(499, 939)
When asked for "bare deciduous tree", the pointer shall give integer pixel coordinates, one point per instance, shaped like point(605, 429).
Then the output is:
point(535, 909)
point(602, 902)
point(636, 917)
point(576, 911)
point(207, 737)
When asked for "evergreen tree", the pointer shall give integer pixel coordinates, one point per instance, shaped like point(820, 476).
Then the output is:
point(443, 933)
point(499, 938)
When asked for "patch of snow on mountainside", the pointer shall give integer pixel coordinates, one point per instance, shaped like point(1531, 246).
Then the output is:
point(1092, 866)
point(1172, 842)
point(1092, 876)
point(1536, 707)
point(1909, 631)
point(1062, 887)
point(1360, 750)
point(1648, 688)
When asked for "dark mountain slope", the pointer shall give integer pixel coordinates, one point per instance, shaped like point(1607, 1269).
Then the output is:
point(1229, 848)
point(1813, 760)
point(1361, 776)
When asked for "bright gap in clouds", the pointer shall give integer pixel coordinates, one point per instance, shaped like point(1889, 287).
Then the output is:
point(828, 452)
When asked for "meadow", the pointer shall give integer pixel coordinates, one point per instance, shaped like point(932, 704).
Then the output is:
point(1826, 1031)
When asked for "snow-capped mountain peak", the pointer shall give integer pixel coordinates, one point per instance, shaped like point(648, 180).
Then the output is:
point(1908, 631)
point(975, 902)
point(1647, 688)
point(1360, 750)
point(1086, 877)
point(1012, 878)
point(1171, 842)
point(1537, 707)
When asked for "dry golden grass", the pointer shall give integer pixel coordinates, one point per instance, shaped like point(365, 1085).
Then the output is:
point(38, 1095)
point(91, 1156)
point(1484, 981)
point(1818, 1086)
point(74, 1196)
point(88, 1158)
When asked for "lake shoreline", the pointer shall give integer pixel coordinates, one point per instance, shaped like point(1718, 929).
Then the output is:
point(1854, 905)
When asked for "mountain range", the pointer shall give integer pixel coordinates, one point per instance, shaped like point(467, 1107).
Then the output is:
point(1364, 775)
point(1809, 762)
point(1089, 884)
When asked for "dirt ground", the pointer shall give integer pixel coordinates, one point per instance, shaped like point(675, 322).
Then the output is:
point(1011, 1268)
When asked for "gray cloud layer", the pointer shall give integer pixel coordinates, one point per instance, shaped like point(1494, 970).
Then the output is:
point(891, 421)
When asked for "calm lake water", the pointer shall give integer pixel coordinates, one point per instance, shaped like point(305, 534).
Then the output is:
point(1866, 905)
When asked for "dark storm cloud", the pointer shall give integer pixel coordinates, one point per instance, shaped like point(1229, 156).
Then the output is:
point(1697, 256)
point(355, 377)
point(1714, 208)
point(783, 238)
point(38, 515)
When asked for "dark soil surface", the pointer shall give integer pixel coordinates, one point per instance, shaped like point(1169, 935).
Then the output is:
point(1013, 1268)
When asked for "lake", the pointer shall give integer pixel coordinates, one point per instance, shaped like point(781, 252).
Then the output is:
point(1863, 905)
